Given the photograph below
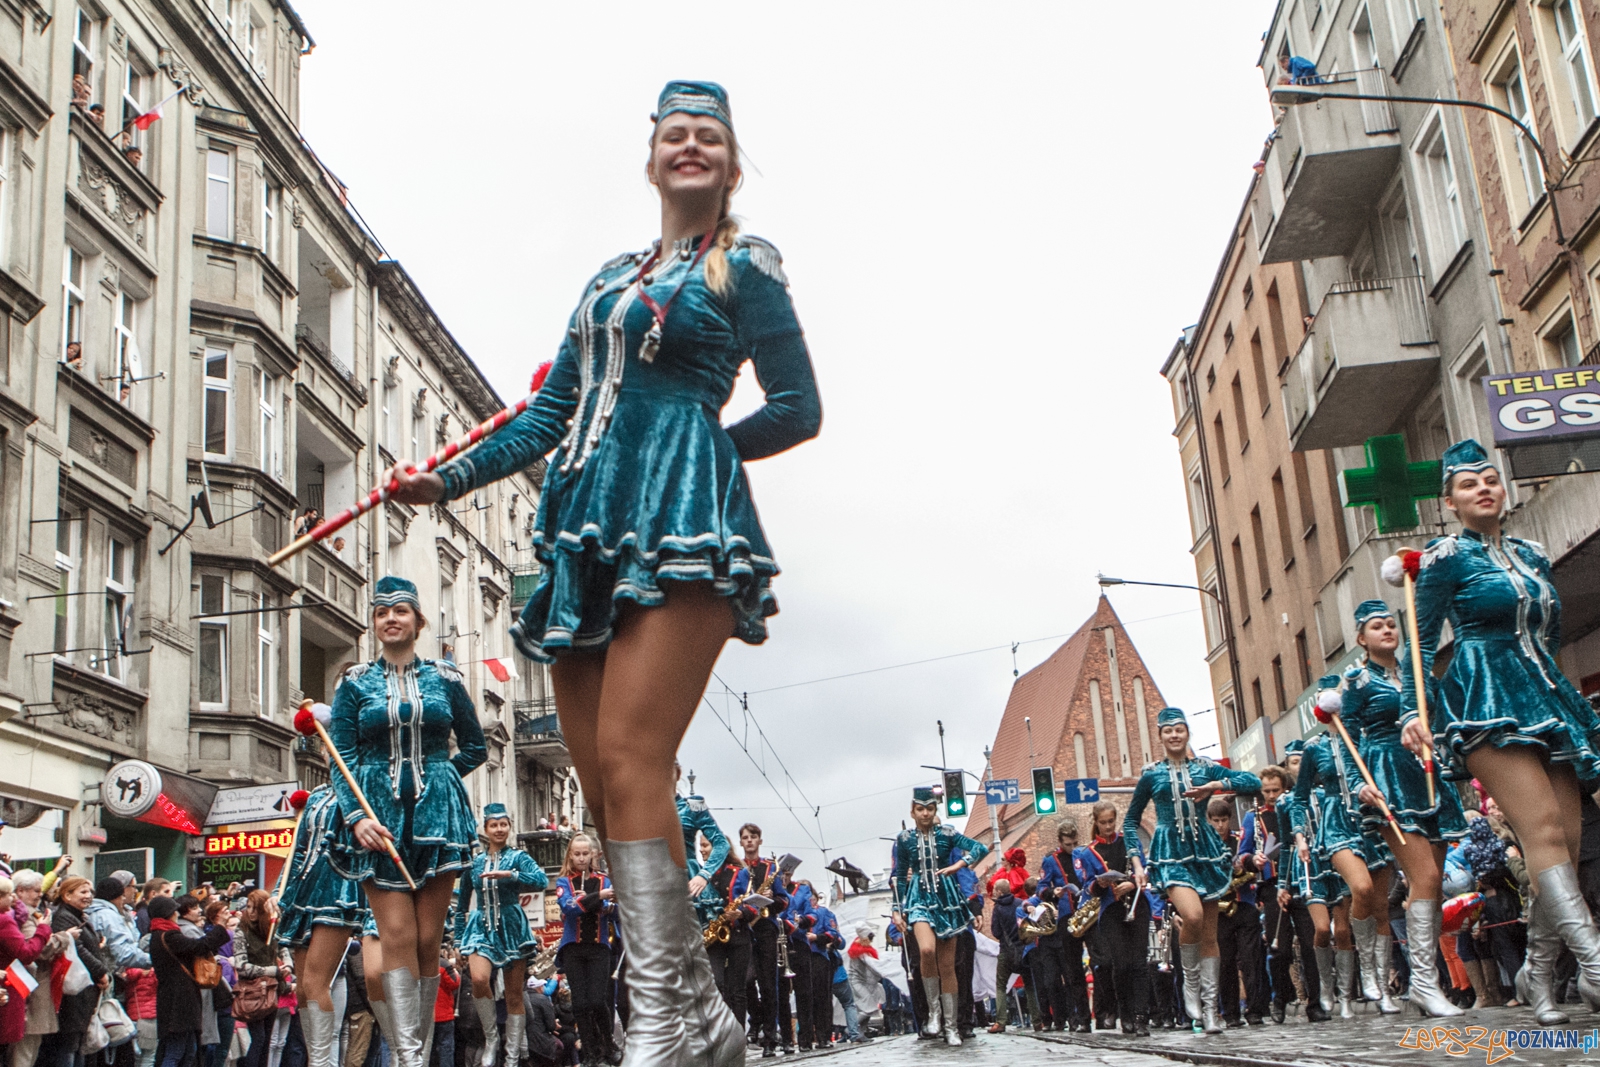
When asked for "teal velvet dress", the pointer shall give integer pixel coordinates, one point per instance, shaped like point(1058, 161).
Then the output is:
point(646, 485)
point(1184, 850)
point(314, 894)
point(1315, 882)
point(1503, 686)
point(393, 727)
point(497, 928)
point(1326, 805)
point(923, 895)
point(1371, 712)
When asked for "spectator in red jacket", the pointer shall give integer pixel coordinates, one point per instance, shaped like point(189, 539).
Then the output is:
point(444, 1013)
point(1013, 870)
point(13, 946)
point(139, 997)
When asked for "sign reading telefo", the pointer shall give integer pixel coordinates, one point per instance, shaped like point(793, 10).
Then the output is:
point(1538, 407)
point(248, 841)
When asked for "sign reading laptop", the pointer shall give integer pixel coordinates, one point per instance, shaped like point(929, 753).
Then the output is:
point(252, 803)
point(134, 789)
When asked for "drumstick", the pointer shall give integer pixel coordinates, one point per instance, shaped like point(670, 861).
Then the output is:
point(306, 721)
point(298, 800)
point(381, 493)
point(1419, 680)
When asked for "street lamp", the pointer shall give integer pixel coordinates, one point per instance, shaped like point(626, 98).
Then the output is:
point(1294, 95)
point(1106, 582)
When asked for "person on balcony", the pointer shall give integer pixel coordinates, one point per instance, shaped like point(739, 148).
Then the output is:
point(1300, 70)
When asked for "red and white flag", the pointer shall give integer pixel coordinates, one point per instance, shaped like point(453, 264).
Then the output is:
point(18, 978)
point(148, 119)
point(502, 669)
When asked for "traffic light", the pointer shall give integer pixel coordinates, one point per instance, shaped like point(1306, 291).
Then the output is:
point(1044, 790)
point(955, 793)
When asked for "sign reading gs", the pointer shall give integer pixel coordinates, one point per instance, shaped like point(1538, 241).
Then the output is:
point(1542, 406)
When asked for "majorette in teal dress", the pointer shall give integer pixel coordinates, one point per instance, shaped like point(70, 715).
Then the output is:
point(406, 771)
point(922, 894)
point(1370, 702)
point(1184, 850)
point(314, 894)
point(497, 928)
point(646, 485)
point(1503, 686)
point(1315, 882)
point(1325, 805)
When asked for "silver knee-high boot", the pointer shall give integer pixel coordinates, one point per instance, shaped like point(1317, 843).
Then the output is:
point(403, 992)
point(1344, 961)
point(1382, 948)
point(1538, 968)
point(1365, 933)
point(429, 994)
point(715, 1037)
point(321, 1033)
point(930, 990)
point(385, 1017)
point(1568, 916)
point(947, 1008)
point(1210, 981)
point(516, 1031)
point(1189, 957)
point(1422, 944)
point(650, 902)
point(484, 1006)
point(1325, 977)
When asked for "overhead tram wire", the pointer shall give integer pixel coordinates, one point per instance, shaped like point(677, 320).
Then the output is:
point(762, 770)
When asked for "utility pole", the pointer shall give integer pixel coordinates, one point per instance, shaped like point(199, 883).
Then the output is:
point(994, 819)
point(943, 762)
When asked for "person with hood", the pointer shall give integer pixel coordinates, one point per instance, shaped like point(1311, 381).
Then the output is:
point(543, 1028)
point(180, 999)
point(1014, 870)
point(105, 914)
point(866, 984)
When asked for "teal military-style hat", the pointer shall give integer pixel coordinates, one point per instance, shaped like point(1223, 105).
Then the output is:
point(1329, 681)
point(1169, 716)
point(923, 794)
point(694, 98)
point(495, 810)
point(1294, 748)
point(391, 590)
point(1463, 457)
point(1371, 609)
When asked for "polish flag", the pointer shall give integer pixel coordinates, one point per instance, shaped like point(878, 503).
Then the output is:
point(148, 119)
point(502, 669)
point(18, 978)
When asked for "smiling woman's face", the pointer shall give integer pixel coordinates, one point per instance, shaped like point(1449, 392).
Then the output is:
point(692, 156)
point(397, 625)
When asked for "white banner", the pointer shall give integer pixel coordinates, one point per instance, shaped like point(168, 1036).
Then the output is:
point(252, 803)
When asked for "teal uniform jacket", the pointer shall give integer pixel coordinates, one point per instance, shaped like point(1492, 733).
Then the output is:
point(1325, 797)
point(497, 928)
point(1371, 702)
point(392, 726)
point(696, 818)
point(1315, 882)
point(922, 894)
point(646, 485)
point(1503, 686)
point(314, 894)
point(1184, 850)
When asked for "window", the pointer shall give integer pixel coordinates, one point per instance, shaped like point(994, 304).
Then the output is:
point(72, 301)
point(1238, 573)
point(1280, 505)
point(213, 642)
point(264, 664)
point(135, 102)
point(1575, 53)
point(1562, 342)
point(1302, 486)
point(447, 606)
point(83, 42)
point(218, 386)
point(1277, 682)
point(5, 182)
point(419, 433)
point(1227, 337)
point(1363, 46)
point(270, 195)
point(219, 194)
point(1255, 691)
point(1258, 363)
point(389, 432)
point(1403, 18)
point(1249, 291)
point(68, 532)
point(1446, 226)
point(1512, 89)
point(1302, 652)
point(1280, 337)
point(252, 43)
point(1238, 414)
point(269, 443)
point(1211, 616)
point(125, 348)
point(1331, 468)
point(1258, 531)
point(1197, 503)
point(1219, 441)
point(112, 657)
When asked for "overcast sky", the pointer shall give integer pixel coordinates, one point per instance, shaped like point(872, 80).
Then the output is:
point(995, 219)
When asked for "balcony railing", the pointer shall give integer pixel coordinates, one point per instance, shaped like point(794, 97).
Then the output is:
point(1369, 352)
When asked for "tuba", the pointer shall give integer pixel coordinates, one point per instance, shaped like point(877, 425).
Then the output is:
point(1044, 927)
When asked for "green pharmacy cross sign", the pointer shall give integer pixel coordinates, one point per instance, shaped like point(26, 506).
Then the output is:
point(1391, 482)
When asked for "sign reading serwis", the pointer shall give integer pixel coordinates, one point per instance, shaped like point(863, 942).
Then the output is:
point(248, 841)
point(1542, 406)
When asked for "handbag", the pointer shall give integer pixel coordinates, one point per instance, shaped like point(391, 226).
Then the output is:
point(77, 978)
point(114, 1020)
point(255, 998)
point(205, 970)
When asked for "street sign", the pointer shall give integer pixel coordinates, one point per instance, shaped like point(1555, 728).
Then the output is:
point(1002, 791)
point(1081, 790)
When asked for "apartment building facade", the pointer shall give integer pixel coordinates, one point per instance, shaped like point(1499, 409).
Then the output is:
point(202, 339)
point(1364, 229)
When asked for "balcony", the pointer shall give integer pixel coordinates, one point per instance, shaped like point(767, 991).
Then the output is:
point(1331, 161)
point(1369, 354)
point(538, 733)
point(547, 847)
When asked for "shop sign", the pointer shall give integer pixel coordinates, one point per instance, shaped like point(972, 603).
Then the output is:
point(248, 841)
point(248, 869)
point(134, 789)
point(1549, 404)
point(252, 803)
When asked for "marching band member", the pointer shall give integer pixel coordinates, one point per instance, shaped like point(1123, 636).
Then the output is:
point(1319, 886)
point(1286, 917)
point(316, 912)
point(496, 932)
point(392, 723)
point(651, 552)
point(1238, 928)
point(712, 1024)
point(929, 902)
point(1504, 713)
point(1187, 860)
point(1060, 875)
point(1370, 704)
point(1119, 938)
point(729, 946)
point(588, 920)
point(1325, 793)
point(768, 880)
point(813, 984)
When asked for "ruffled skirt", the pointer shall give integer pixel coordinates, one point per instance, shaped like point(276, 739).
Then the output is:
point(662, 499)
point(1314, 883)
point(1400, 777)
point(433, 832)
point(941, 906)
point(1494, 694)
point(502, 937)
point(1198, 861)
point(1338, 830)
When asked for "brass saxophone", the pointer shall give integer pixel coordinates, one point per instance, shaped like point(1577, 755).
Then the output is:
point(1230, 900)
point(719, 930)
point(1088, 913)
